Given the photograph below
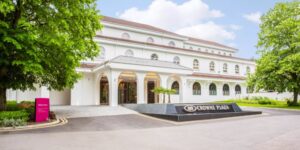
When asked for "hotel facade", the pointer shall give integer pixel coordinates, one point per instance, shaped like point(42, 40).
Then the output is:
point(135, 58)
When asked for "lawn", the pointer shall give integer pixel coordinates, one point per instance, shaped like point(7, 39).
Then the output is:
point(262, 102)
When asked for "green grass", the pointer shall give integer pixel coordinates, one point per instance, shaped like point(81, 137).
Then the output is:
point(267, 103)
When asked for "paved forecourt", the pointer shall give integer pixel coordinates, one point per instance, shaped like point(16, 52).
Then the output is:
point(275, 129)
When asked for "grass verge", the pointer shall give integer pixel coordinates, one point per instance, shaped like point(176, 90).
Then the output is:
point(258, 103)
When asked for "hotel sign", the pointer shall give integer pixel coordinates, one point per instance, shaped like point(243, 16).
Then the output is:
point(205, 108)
point(42, 108)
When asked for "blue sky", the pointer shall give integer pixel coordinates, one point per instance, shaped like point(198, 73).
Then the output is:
point(231, 22)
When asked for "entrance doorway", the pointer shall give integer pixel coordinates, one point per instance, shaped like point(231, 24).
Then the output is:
point(127, 90)
point(152, 81)
point(104, 91)
point(151, 94)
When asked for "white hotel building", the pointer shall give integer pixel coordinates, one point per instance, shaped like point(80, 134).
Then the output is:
point(135, 58)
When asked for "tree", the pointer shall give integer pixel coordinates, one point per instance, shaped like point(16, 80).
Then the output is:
point(43, 41)
point(278, 68)
point(160, 90)
point(169, 92)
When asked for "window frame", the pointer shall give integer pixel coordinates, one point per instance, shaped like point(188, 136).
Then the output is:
point(176, 88)
point(154, 56)
point(236, 91)
point(196, 64)
point(212, 92)
point(129, 53)
point(176, 60)
point(196, 91)
point(225, 91)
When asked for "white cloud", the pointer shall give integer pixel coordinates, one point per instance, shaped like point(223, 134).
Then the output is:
point(169, 15)
point(235, 27)
point(192, 18)
point(208, 31)
point(253, 17)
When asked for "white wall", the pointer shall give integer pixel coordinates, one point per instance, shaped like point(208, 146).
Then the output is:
point(60, 97)
point(83, 92)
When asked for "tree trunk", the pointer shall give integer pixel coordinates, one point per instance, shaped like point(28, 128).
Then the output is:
point(169, 98)
point(164, 98)
point(295, 101)
point(2, 99)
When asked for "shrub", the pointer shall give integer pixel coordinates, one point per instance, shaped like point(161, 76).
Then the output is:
point(290, 103)
point(264, 102)
point(11, 106)
point(20, 114)
point(13, 118)
point(12, 122)
point(26, 104)
point(29, 107)
point(52, 115)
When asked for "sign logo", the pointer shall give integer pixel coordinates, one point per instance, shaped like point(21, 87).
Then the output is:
point(190, 108)
point(206, 108)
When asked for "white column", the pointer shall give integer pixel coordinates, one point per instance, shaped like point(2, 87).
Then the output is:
point(232, 89)
point(183, 90)
point(97, 78)
point(219, 89)
point(140, 88)
point(113, 88)
point(243, 89)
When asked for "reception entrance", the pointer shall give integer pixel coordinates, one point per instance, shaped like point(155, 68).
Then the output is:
point(150, 93)
point(152, 80)
point(104, 91)
point(127, 88)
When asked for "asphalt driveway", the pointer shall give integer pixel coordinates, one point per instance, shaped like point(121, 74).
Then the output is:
point(275, 129)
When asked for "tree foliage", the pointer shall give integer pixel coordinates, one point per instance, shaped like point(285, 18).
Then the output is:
point(164, 91)
point(278, 68)
point(43, 41)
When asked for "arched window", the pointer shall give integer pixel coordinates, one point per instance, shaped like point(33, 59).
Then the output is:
point(172, 44)
point(196, 64)
point(225, 68)
point(212, 89)
point(175, 86)
point(238, 89)
point(196, 88)
point(176, 60)
point(199, 49)
point(154, 57)
point(129, 53)
point(102, 53)
point(224, 54)
point(126, 36)
point(150, 40)
point(191, 48)
point(212, 66)
point(237, 69)
point(219, 53)
point(248, 70)
point(226, 89)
